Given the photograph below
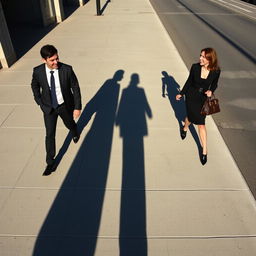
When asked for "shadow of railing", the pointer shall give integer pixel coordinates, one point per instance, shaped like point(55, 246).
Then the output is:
point(72, 224)
point(131, 118)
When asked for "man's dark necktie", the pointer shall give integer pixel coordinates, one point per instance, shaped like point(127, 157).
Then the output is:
point(53, 91)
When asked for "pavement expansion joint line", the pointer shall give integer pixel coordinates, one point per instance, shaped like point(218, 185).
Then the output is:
point(138, 237)
point(14, 85)
point(30, 127)
point(131, 189)
point(16, 104)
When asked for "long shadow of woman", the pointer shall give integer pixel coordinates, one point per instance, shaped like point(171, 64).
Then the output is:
point(170, 85)
point(131, 118)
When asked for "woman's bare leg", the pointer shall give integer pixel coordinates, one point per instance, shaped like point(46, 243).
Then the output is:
point(186, 124)
point(203, 137)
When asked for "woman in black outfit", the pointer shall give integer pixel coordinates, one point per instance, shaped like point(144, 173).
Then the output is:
point(201, 83)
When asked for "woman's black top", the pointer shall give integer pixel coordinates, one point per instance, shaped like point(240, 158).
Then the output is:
point(194, 90)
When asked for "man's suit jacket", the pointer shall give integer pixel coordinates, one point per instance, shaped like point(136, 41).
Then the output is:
point(68, 83)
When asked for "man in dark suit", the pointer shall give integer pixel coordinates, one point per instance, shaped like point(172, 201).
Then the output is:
point(56, 90)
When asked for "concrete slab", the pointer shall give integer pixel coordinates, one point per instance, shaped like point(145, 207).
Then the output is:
point(220, 247)
point(110, 247)
point(15, 245)
point(25, 217)
point(211, 214)
point(5, 111)
point(15, 77)
point(5, 192)
point(15, 95)
point(15, 156)
point(32, 173)
point(33, 119)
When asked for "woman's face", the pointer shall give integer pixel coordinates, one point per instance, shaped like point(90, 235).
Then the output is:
point(203, 60)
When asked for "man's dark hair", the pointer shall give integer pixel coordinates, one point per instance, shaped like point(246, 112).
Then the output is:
point(47, 51)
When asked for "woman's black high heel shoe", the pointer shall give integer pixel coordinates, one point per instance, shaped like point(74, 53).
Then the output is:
point(183, 133)
point(203, 159)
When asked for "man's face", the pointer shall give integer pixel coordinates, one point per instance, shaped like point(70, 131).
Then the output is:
point(52, 62)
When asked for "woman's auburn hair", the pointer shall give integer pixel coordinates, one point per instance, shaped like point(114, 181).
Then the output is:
point(211, 56)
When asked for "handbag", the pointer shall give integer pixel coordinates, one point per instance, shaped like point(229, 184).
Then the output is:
point(211, 106)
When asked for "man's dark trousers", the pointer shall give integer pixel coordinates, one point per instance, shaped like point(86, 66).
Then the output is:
point(72, 100)
point(50, 121)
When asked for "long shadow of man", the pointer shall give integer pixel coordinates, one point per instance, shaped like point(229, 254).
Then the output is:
point(170, 85)
point(131, 118)
point(72, 224)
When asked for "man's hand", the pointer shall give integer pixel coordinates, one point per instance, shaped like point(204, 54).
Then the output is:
point(76, 113)
point(178, 96)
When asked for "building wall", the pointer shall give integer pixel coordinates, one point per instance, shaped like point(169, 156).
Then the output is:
point(24, 22)
point(26, 12)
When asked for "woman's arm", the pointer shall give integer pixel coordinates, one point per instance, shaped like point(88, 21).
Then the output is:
point(188, 82)
point(214, 84)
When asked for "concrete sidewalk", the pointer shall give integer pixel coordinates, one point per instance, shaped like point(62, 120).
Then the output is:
point(145, 193)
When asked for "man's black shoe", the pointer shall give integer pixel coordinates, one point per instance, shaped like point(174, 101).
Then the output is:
point(48, 170)
point(76, 138)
